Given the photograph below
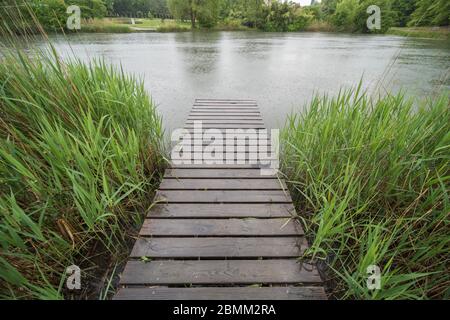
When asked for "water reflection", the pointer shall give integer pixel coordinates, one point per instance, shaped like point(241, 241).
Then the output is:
point(281, 71)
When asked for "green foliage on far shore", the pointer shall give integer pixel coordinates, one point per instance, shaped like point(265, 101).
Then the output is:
point(329, 15)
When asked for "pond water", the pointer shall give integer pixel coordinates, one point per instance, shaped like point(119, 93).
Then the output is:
point(280, 70)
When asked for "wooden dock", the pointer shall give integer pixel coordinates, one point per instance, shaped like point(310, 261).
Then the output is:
point(221, 231)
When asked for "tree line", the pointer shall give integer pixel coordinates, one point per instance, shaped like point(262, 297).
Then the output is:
point(267, 15)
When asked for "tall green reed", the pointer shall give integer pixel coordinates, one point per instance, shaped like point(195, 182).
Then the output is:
point(80, 153)
point(371, 178)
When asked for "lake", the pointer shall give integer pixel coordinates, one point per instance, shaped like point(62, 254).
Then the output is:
point(280, 70)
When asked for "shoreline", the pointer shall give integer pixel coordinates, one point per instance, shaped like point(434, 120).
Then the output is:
point(110, 25)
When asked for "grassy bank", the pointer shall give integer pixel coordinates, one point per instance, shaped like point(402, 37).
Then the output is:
point(158, 25)
point(371, 181)
point(422, 32)
point(80, 149)
point(104, 26)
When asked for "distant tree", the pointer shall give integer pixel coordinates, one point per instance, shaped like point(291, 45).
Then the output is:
point(158, 8)
point(431, 12)
point(344, 17)
point(402, 10)
point(208, 13)
point(89, 8)
point(329, 7)
point(182, 9)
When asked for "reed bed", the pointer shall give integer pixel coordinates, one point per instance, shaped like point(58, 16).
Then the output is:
point(370, 178)
point(80, 155)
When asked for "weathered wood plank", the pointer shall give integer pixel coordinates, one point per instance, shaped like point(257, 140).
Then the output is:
point(232, 141)
point(222, 210)
point(248, 112)
point(219, 248)
point(221, 115)
point(223, 121)
point(223, 143)
point(223, 103)
point(222, 293)
point(227, 157)
point(226, 126)
point(282, 271)
point(222, 196)
point(215, 173)
point(241, 133)
point(221, 227)
point(226, 108)
point(227, 100)
point(233, 165)
point(223, 184)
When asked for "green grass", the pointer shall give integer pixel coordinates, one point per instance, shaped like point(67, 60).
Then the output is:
point(104, 26)
point(80, 153)
point(371, 181)
point(159, 25)
point(422, 32)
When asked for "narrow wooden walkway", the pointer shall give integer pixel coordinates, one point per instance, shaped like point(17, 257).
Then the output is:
point(221, 231)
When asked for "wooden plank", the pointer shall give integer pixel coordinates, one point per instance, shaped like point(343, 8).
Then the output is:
point(229, 121)
point(222, 184)
point(242, 133)
point(226, 126)
point(222, 293)
point(225, 107)
point(282, 271)
point(226, 103)
point(225, 114)
point(228, 100)
point(223, 142)
point(222, 196)
point(222, 210)
point(224, 156)
point(227, 110)
point(223, 117)
point(219, 248)
point(224, 121)
point(247, 111)
point(221, 227)
point(215, 173)
point(233, 165)
point(245, 140)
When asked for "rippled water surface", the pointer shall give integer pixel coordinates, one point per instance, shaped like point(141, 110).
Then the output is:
point(279, 70)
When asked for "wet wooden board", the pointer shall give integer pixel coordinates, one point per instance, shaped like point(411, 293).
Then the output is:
point(225, 121)
point(233, 165)
point(219, 248)
point(220, 184)
point(221, 227)
point(223, 196)
point(216, 173)
point(222, 210)
point(215, 228)
point(220, 272)
point(223, 293)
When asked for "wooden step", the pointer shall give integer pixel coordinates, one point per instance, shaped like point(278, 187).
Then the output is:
point(219, 247)
point(219, 272)
point(222, 184)
point(223, 293)
point(221, 227)
point(222, 210)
